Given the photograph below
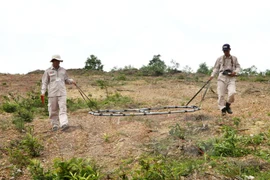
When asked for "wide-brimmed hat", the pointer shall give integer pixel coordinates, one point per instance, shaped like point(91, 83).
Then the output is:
point(56, 57)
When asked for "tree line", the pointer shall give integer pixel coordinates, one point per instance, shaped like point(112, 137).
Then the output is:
point(157, 67)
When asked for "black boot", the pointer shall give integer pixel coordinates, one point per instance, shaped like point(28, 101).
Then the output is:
point(229, 110)
point(223, 111)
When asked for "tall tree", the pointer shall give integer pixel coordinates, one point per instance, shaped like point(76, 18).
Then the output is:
point(93, 63)
point(203, 69)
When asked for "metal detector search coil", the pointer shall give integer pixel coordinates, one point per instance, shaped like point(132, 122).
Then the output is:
point(145, 111)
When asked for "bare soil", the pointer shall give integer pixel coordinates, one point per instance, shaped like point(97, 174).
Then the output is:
point(109, 140)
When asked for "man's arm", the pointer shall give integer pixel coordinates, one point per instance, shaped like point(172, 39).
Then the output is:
point(45, 81)
point(67, 80)
point(215, 69)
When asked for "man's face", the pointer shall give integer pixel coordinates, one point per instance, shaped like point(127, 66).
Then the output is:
point(55, 63)
point(226, 52)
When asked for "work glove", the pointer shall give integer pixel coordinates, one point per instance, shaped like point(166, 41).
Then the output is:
point(42, 97)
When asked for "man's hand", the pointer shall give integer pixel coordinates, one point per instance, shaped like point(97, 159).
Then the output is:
point(211, 77)
point(42, 97)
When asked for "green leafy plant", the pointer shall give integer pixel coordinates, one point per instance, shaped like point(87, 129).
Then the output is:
point(160, 168)
point(116, 100)
point(37, 171)
point(229, 145)
point(75, 168)
point(32, 144)
point(103, 85)
point(9, 107)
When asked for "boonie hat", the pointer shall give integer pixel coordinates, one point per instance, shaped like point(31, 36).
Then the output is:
point(56, 57)
point(226, 47)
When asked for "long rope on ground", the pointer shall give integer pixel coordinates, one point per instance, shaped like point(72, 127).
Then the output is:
point(145, 111)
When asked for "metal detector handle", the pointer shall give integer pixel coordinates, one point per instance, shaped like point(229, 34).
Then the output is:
point(198, 92)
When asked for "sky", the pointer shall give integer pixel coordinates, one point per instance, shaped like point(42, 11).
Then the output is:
point(130, 32)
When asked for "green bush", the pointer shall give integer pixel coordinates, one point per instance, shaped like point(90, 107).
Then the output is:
point(9, 107)
point(160, 168)
point(25, 114)
point(21, 117)
point(75, 168)
point(32, 144)
point(230, 145)
point(121, 77)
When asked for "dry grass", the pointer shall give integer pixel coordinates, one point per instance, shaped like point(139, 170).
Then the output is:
point(112, 139)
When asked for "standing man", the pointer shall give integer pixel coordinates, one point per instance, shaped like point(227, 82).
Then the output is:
point(227, 67)
point(54, 79)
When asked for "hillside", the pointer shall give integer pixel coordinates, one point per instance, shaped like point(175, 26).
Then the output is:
point(119, 145)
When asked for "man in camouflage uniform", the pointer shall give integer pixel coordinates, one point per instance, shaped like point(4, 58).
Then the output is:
point(54, 79)
point(227, 68)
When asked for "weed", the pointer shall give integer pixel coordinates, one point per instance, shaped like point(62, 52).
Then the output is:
point(116, 100)
point(236, 121)
point(75, 104)
point(264, 154)
point(254, 140)
point(177, 131)
point(37, 171)
point(242, 170)
point(18, 157)
point(228, 145)
point(103, 85)
point(121, 77)
point(75, 168)
point(160, 167)
point(19, 123)
point(4, 124)
point(106, 137)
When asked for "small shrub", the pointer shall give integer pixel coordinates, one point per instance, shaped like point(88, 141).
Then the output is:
point(160, 168)
point(75, 168)
point(37, 171)
point(32, 144)
point(19, 123)
point(75, 104)
point(10, 107)
point(5, 124)
point(121, 77)
point(18, 157)
point(230, 145)
point(25, 115)
point(236, 121)
point(177, 131)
